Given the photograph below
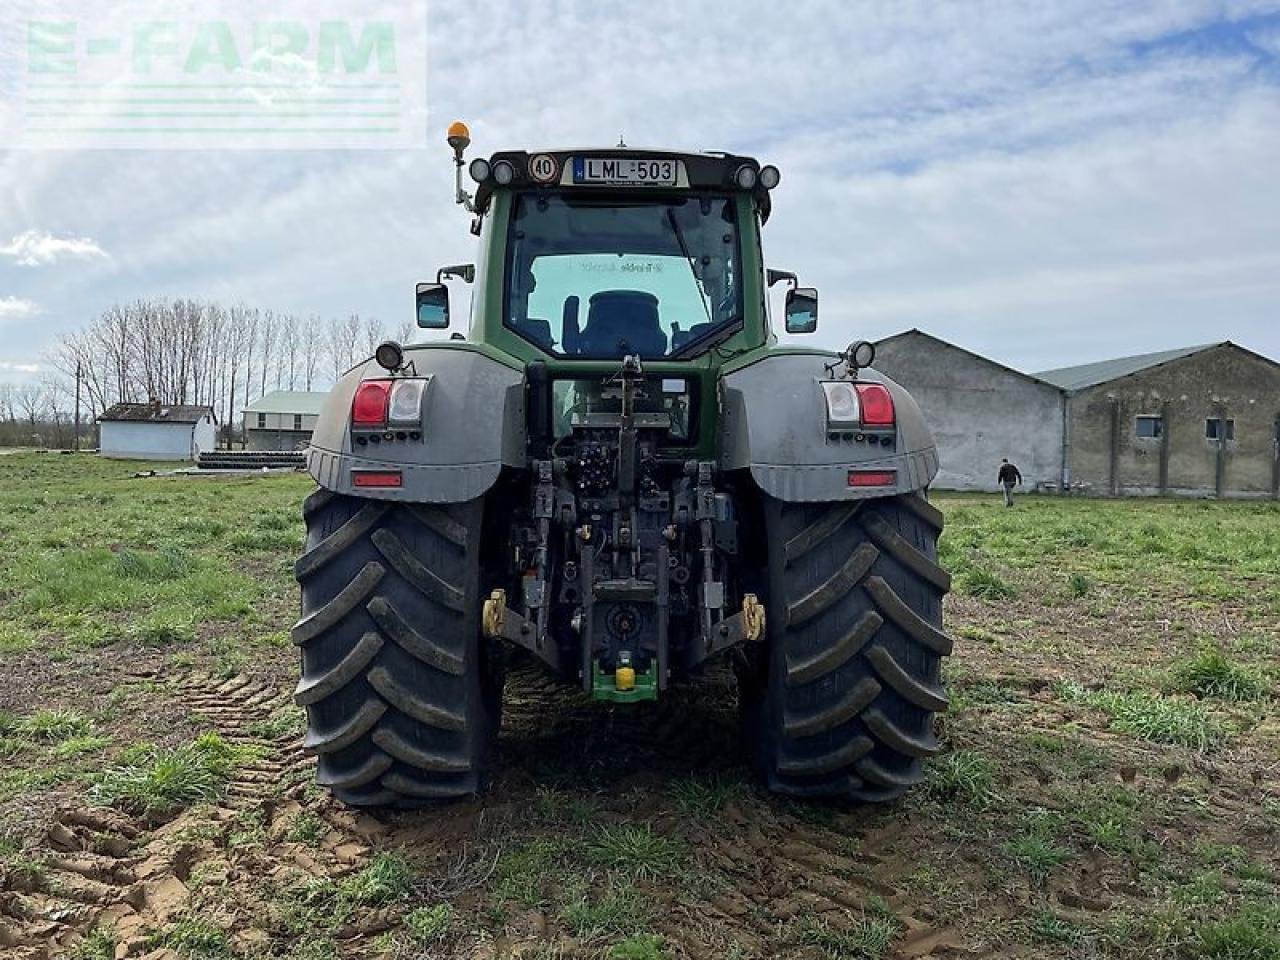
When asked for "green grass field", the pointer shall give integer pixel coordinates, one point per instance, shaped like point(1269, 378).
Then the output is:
point(1109, 785)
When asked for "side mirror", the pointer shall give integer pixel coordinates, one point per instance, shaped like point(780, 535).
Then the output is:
point(802, 310)
point(433, 306)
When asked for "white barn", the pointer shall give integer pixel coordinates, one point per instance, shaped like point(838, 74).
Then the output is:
point(154, 431)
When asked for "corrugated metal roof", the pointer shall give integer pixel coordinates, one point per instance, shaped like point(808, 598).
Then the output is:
point(156, 413)
point(289, 401)
point(1092, 374)
point(916, 332)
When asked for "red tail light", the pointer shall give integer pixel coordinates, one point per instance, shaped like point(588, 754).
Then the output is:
point(369, 407)
point(376, 478)
point(872, 478)
point(877, 404)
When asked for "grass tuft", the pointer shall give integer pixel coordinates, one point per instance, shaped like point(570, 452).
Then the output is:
point(964, 776)
point(984, 584)
point(387, 879)
point(618, 909)
point(98, 944)
point(155, 781)
point(1211, 673)
point(54, 726)
point(636, 850)
point(1078, 586)
point(427, 926)
point(1253, 934)
point(1151, 717)
point(866, 937)
point(704, 797)
point(641, 946)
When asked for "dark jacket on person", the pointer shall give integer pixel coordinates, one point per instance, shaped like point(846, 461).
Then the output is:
point(1008, 474)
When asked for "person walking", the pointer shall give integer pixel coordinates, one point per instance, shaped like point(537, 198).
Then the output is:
point(1008, 477)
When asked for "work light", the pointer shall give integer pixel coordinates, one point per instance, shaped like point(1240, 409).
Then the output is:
point(479, 170)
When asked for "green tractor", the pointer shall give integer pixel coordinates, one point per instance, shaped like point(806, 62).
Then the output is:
point(620, 471)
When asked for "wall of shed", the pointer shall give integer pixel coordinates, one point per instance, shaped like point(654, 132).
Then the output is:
point(144, 440)
point(1245, 388)
point(256, 439)
point(978, 412)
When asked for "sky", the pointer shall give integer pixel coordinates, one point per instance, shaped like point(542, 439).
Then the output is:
point(1043, 183)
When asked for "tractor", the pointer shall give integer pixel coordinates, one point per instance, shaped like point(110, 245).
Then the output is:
point(620, 471)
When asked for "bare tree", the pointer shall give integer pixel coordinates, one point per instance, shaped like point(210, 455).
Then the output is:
point(311, 347)
point(343, 337)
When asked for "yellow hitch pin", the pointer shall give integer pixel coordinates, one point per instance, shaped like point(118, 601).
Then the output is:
point(494, 615)
point(752, 617)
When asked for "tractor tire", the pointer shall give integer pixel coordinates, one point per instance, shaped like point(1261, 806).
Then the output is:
point(402, 696)
point(852, 680)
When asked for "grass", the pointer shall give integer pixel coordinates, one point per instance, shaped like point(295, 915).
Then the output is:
point(194, 937)
point(53, 726)
point(160, 782)
point(98, 944)
point(427, 926)
point(1252, 934)
point(324, 904)
point(983, 583)
point(640, 946)
point(94, 557)
point(962, 776)
point(703, 797)
point(867, 937)
point(591, 911)
point(1212, 674)
point(636, 850)
point(1152, 717)
point(519, 873)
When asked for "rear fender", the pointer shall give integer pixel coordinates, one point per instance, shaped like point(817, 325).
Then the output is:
point(473, 425)
point(774, 423)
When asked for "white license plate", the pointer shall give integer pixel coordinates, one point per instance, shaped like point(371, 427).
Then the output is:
point(628, 170)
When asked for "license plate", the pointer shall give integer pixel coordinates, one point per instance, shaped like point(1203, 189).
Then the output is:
point(634, 171)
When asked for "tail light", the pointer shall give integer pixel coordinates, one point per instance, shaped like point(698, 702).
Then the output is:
point(854, 406)
point(372, 399)
point(877, 404)
point(385, 402)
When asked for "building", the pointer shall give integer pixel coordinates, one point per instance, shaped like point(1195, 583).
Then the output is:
point(282, 420)
point(154, 431)
point(979, 411)
point(1200, 421)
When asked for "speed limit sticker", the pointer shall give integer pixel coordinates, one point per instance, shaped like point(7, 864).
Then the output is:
point(542, 167)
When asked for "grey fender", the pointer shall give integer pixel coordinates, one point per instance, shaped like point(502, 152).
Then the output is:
point(473, 425)
point(774, 423)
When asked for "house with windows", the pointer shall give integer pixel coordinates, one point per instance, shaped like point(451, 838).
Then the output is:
point(282, 420)
point(1197, 421)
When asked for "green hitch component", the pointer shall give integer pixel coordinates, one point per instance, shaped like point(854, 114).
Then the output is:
point(604, 686)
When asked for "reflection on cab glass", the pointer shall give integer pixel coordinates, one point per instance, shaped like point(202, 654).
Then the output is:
point(655, 277)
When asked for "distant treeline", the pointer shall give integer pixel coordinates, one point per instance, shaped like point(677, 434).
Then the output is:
point(183, 351)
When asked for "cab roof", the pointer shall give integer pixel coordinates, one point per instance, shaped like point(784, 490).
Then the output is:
point(707, 170)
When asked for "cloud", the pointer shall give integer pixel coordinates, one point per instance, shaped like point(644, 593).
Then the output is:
point(20, 367)
point(16, 308)
point(37, 248)
point(1050, 183)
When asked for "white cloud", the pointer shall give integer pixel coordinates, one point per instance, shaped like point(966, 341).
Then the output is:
point(20, 367)
point(37, 248)
point(1014, 176)
point(16, 308)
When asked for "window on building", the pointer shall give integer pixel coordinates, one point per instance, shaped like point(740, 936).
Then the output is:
point(1148, 425)
point(262, 421)
point(1216, 428)
point(297, 421)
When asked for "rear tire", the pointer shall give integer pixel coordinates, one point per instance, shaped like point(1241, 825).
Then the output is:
point(401, 695)
point(845, 707)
